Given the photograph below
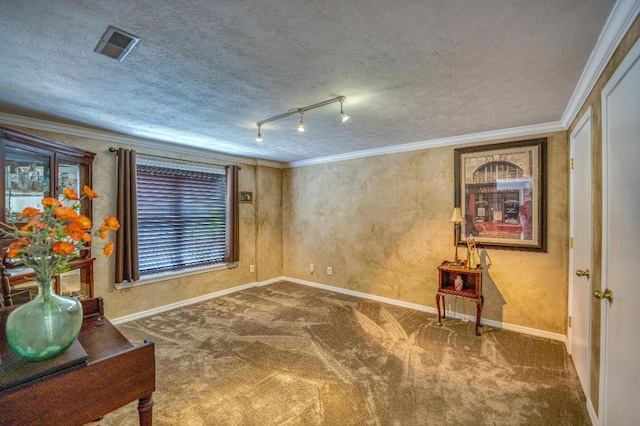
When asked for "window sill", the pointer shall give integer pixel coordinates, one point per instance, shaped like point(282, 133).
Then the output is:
point(164, 276)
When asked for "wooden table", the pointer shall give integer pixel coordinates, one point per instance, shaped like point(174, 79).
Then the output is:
point(470, 288)
point(114, 374)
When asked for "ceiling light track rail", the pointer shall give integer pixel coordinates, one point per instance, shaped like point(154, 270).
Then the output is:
point(301, 111)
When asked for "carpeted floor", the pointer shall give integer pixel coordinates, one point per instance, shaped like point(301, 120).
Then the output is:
point(287, 354)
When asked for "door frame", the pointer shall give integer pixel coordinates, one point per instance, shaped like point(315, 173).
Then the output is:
point(618, 75)
point(584, 121)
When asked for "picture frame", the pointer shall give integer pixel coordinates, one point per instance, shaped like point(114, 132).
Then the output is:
point(501, 191)
point(246, 197)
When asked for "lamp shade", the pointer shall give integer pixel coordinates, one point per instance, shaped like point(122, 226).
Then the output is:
point(457, 215)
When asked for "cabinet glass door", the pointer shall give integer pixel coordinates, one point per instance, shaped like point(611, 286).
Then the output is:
point(74, 284)
point(27, 181)
point(69, 177)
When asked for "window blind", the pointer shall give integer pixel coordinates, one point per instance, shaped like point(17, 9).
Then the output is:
point(181, 217)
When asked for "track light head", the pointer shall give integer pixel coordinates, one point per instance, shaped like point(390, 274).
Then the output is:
point(301, 124)
point(344, 116)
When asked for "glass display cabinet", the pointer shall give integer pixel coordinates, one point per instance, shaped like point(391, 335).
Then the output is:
point(35, 168)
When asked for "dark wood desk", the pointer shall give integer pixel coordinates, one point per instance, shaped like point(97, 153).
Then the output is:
point(114, 374)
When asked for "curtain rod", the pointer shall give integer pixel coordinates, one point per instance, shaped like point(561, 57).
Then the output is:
point(112, 149)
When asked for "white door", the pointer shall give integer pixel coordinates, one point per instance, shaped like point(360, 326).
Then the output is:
point(620, 346)
point(580, 254)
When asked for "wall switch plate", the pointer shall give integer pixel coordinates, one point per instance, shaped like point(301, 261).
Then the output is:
point(311, 268)
point(252, 268)
point(329, 270)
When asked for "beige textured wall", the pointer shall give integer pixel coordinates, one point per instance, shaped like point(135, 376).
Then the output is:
point(595, 102)
point(382, 224)
point(269, 223)
point(132, 300)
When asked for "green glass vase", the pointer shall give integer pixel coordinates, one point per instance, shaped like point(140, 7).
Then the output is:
point(46, 326)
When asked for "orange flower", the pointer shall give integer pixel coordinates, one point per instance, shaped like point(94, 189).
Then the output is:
point(13, 251)
point(74, 231)
point(87, 238)
point(112, 223)
point(65, 213)
point(89, 192)
point(52, 202)
point(83, 221)
point(30, 212)
point(14, 248)
point(70, 194)
point(104, 231)
point(32, 225)
point(108, 249)
point(63, 248)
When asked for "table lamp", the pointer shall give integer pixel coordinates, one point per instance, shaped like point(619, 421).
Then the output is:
point(457, 219)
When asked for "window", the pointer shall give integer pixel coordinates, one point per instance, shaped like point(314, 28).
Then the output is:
point(181, 217)
point(497, 171)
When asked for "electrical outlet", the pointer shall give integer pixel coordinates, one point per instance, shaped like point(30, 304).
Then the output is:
point(311, 268)
point(329, 270)
point(252, 268)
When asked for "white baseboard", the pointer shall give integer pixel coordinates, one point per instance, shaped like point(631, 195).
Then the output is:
point(415, 306)
point(592, 412)
point(182, 303)
point(272, 281)
point(361, 295)
point(422, 308)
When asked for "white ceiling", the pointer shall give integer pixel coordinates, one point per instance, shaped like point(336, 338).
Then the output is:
point(205, 71)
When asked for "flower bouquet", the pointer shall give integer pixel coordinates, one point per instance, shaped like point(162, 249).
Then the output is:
point(46, 326)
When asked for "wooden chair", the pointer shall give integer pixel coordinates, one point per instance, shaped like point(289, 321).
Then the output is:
point(7, 298)
point(5, 287)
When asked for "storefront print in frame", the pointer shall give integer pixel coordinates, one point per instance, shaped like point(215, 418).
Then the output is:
point(500, 189)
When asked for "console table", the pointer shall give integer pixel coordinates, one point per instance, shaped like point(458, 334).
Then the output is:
point(114, 373)
point(469, 286)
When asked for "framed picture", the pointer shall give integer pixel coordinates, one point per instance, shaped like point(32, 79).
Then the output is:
point(246, 197)
point(501, 190)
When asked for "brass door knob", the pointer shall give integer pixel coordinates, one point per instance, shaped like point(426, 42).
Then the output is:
point(608, 294)
point(582, 273)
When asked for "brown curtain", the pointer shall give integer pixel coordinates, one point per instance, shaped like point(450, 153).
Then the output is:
point(233, 215)
point(127, 267)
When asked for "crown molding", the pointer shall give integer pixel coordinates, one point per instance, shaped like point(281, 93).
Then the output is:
point(436, 143)
point(68, 129)
point(622, 16)
point(33, 123)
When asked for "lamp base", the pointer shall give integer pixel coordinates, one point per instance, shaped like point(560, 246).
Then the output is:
point(456, 260)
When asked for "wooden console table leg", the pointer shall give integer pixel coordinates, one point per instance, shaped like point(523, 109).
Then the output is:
point(440, 301)
point(145, 411)
point(478, 315)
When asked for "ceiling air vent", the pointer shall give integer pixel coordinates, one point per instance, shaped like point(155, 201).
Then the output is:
point(116, 43)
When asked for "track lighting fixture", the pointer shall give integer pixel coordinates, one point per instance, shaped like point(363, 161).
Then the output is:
point(301, 111)
point(344, 116)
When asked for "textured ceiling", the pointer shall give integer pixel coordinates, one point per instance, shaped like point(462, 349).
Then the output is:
point(205, 71)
